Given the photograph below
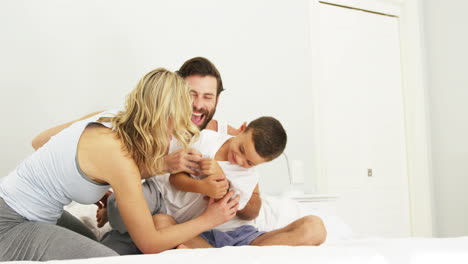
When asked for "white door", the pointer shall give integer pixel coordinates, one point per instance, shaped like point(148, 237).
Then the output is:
point(361, 133)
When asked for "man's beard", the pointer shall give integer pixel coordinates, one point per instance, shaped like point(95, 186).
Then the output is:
point(207, 117)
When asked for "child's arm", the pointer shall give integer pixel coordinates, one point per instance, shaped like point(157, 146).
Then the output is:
point(252, 208)
point(183, 182)
point(213, 186)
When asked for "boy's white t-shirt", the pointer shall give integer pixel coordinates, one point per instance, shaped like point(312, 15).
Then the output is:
point(184, 206)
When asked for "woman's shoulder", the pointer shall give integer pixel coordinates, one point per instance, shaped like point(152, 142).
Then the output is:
point(100, 136)
point(102, 151)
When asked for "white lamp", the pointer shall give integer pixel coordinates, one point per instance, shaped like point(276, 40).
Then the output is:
point(296, 177)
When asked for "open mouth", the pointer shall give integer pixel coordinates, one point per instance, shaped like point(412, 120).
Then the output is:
point(197, 118)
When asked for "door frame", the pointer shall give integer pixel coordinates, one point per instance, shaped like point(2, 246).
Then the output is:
point(415, 102)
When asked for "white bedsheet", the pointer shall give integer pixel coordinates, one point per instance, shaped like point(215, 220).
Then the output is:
point(341, 246)
point(362, 251)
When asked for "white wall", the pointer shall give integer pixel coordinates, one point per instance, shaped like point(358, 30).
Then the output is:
point(61, 59)
point(447, 56)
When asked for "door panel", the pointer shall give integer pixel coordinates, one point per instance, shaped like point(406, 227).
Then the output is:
point(361, 119)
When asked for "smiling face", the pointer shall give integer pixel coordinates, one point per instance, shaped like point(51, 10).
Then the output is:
point(242, 151)
point(203, 91)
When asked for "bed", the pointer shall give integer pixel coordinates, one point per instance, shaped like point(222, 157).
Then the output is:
point(341, 246)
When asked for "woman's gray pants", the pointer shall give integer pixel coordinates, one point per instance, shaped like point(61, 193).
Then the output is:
point(21, 239)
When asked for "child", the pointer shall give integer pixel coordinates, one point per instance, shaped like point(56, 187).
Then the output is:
point(182, 196)
point(263, 140)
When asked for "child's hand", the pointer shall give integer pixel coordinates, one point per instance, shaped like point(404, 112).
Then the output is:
point(215, 186)
point(101, 213)
point(210, 167)
point(103, 202)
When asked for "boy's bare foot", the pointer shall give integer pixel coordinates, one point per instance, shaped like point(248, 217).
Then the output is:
point(182, 246)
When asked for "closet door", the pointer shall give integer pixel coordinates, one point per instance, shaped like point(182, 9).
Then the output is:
point(361, 133)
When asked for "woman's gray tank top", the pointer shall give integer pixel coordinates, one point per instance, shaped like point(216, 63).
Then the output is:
point(50, 178)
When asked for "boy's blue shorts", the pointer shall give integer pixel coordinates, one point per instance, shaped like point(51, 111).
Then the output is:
point(241, 236)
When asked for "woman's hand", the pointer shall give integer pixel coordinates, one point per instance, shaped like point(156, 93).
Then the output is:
point(223, 210)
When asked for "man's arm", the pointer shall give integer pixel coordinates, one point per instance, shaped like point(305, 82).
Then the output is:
point(252, 209)
point(44, 137)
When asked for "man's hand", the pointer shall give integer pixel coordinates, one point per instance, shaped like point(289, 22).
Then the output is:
point(182, 160)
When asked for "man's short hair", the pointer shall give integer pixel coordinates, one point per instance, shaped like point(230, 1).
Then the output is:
point(269, 137)
point(203, 67)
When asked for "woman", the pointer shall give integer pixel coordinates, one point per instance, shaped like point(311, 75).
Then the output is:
point(110, 149)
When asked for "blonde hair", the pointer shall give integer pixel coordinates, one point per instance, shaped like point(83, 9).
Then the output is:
point(161, 101)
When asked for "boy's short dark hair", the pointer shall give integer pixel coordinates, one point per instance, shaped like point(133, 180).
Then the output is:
point(269, 137)
point(203, 67)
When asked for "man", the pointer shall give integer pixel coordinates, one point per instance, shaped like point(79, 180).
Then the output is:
point(206, 86)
